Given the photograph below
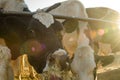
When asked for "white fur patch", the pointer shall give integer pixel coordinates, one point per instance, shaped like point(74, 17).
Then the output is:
point(60, 52)
point(83, 63)
point(5, 53)
point(45, 18)
point(6, 72)
point(12, 5)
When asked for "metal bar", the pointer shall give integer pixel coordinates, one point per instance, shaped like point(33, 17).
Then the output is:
point(60, 17)
point(16, 13)
point(85, 19)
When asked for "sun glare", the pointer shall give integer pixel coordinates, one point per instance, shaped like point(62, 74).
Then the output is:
point(35, 4)
point(119, 27)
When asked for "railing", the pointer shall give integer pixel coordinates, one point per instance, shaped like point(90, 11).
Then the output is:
point(58, 17)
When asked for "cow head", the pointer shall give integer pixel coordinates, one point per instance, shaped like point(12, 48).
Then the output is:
point(24, 34)
point(42, 38)
point(42, 42)
point(83, 63)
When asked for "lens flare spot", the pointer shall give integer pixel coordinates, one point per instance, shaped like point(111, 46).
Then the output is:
point(33, 49)
point(43, 46)
point(101, 32)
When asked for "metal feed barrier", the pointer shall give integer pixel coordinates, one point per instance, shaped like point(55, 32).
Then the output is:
point(58, 17)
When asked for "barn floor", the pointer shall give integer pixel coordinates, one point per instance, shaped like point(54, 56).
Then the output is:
point(26, 78)
point(110, 72)
point(107, 75)
point(110, 75)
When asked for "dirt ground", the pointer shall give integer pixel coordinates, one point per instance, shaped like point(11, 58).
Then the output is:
point(110, 75)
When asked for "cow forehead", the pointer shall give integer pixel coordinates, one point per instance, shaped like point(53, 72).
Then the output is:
point(45, 18)
point(40, 30)
point(60, 52)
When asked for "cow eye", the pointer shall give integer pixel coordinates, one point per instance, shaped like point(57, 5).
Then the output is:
point(31, 33)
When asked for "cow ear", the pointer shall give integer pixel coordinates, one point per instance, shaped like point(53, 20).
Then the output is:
point(57, 26)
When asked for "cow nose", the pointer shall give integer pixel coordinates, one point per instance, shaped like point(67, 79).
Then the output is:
point(26, 9)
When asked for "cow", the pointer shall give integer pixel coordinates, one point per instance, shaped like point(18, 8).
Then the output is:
point(13, 28)
point(59, 59)
point(83, 63)
point(48, 43)
point(57, 65)
point(26, 34)
point(101, 31)
point(11, 5)
point(30, 36)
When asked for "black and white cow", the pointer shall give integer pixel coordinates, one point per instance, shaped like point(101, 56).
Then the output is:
point(24, 34)
point(43, 42)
